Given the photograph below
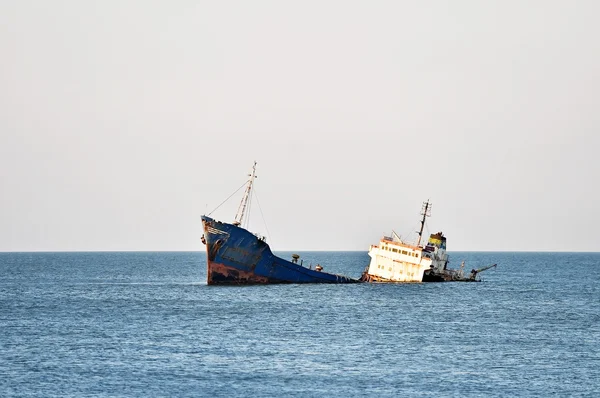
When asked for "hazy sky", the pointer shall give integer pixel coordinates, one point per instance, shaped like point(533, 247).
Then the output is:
point(121, 122)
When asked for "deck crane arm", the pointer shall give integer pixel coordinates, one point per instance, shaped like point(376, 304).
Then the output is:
point(474, 272)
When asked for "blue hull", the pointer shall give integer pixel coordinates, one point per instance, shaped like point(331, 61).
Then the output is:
point(237, 257)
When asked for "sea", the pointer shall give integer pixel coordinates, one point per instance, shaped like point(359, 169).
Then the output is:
point(145, 324)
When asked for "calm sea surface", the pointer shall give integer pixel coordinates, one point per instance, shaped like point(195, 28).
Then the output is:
point(146, 324)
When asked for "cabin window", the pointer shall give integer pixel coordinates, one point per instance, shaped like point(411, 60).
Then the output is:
point(403, 251)
point(395, 250)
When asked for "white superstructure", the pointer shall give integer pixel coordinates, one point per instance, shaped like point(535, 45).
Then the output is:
point(394, 260)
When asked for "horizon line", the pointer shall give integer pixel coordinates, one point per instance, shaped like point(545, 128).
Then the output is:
point(276, 251)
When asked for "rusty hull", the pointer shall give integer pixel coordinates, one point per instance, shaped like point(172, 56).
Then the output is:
point(221, 274)
point(235, 256)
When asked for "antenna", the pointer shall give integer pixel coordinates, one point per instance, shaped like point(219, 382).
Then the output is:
point(247, 197)
point(425, 212)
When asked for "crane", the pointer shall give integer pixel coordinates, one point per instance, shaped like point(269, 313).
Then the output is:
point(474, 272)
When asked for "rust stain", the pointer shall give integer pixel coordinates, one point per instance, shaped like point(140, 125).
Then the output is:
point(220, 274)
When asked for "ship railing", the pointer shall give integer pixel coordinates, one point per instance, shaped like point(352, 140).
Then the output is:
point(260, 237)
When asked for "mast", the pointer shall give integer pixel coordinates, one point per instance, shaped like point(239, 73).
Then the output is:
point(242, 208)
point(425, 212)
